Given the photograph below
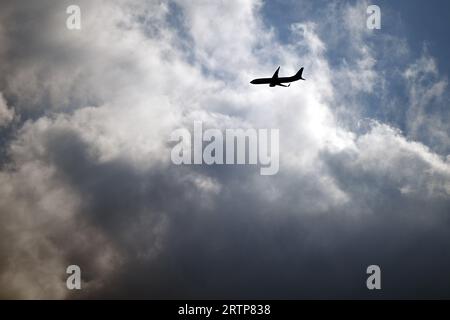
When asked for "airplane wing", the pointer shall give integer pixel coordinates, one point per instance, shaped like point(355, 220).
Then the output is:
point(275, 75)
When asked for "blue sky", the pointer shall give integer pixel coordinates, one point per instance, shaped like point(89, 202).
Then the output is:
point(425, 22)
point(420, 22)
point(418, 26)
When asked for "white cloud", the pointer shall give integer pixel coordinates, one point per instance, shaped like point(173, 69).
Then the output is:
point(426, 89)
point(6, 113)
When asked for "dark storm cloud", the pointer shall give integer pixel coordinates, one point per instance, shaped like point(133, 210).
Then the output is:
point(247, 246)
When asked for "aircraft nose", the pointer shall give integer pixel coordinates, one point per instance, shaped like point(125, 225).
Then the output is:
point(252, 82)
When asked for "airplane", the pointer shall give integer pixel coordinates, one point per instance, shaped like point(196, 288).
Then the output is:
point(276, 81)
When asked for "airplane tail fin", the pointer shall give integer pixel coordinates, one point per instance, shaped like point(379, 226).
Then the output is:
point(299, 74)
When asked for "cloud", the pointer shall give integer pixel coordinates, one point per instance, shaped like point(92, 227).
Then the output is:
point(6, 113)
point(426, 117)
point(88, 180)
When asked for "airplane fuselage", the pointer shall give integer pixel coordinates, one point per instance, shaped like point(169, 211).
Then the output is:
point(278, 81)
point(273, 82)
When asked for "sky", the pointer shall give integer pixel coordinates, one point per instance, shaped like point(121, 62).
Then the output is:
point(86, 176)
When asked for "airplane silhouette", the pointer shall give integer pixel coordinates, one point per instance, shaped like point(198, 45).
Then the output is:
point(276, 81)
